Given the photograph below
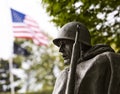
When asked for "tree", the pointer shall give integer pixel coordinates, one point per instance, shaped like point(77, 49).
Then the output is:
point(5, 74)
point(41, 65)
point(101, 17)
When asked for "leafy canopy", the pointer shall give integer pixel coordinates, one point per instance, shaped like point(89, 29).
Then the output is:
point(102, 17)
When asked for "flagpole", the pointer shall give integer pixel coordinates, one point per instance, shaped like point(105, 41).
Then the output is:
point(6, 36)
point(11, 75)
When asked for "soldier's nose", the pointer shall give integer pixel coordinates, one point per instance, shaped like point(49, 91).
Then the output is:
point(61, 49)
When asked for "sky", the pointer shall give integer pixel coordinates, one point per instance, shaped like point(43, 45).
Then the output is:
point(34, 9)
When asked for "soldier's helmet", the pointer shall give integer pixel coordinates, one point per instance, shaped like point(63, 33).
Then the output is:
point(68, 31)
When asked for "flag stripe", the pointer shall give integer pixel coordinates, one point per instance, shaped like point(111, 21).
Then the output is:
point(25, 27)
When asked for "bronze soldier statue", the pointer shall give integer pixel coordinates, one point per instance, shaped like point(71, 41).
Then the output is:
point(93, 69)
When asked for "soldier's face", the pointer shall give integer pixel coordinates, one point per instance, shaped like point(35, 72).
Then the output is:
point(66, 50)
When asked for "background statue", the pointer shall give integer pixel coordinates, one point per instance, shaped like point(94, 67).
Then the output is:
point(95, 69)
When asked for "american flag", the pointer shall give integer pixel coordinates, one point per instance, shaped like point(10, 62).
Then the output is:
point(26, 27)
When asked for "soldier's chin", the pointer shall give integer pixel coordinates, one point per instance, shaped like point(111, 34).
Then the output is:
point(67, 61)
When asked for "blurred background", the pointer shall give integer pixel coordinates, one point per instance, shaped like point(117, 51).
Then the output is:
point(29, 62)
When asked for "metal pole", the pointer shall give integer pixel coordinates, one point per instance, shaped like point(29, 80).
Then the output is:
point(11, 76)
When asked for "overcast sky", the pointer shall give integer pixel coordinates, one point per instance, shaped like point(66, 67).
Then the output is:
point(34, 9)
point(31, 8)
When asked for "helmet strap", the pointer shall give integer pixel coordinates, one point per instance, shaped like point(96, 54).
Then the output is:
point(81, 52)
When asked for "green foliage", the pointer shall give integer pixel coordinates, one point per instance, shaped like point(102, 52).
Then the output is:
point(102, 17)
point(41, 92)
point(41, 64)
point(4, 76)
point(39, 72)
